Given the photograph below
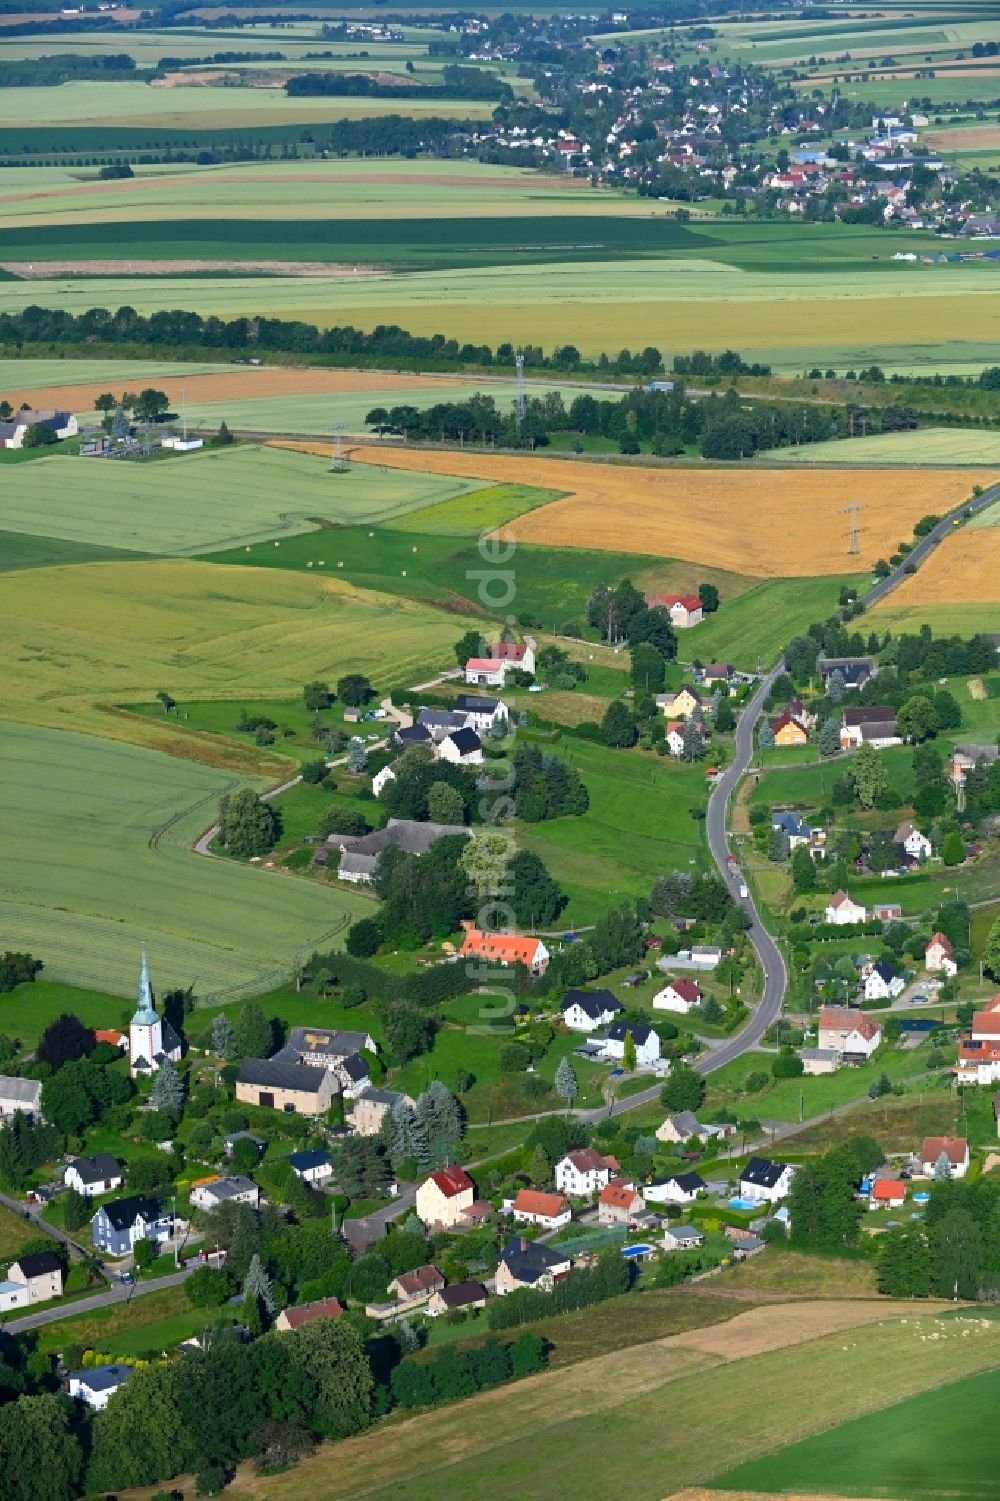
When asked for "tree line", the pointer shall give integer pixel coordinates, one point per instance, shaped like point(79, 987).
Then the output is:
point(457, 82)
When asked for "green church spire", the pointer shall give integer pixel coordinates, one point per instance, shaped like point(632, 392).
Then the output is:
point(145, 1014)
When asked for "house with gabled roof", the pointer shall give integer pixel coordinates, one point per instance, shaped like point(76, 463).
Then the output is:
point(584, 1009)
point(842, 911)
point(504, 949)
point(954, 1150)
point(118, 1227)
point(20, 1096)
point(100, 1173)
point(444, 1196)
point(939, 956)
point(765, 1182)
point(855, 1034)
point(682, 995)
point(526, 1263)
point(685, 610)
point(682, 704)
point(549, 1211)
point(306, 1313)
point(583, 1172)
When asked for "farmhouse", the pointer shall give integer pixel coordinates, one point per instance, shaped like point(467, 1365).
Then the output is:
point(525, 1263)
point(841, 911)
point(584, 1172)
point(680, 705)
point(685, 610)
point(853, 1033)
point(443, 1198)
point(61, 424)
point(457, 1298)
point(119, 1226)
point(765, 1182)
point(503, 657)
point(416, 1286)
point(583, 1009)
point(681, 995)
point(939, 956)
point(953, 1149)
point(482, 712)
point(547, 1210)
point(41, 1273)
point(872, 724)
point(295, 1088)
point(213, 1192)
point(20, 1095)
point(306, 1313)
point(371, 1108)
point(340, 1052)
point(505, 949)
point(800, 711)
point(882, 983)
point(359, 852)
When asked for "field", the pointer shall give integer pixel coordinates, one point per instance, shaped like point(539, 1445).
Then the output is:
point(662, 1401)
point(750, 521)
point(95, 861)
point(84, 639)
point(201, 501)
point(928, 445)
point(14, 1233)
point(930, 1445)
point(26, 1011)
point(963, 570)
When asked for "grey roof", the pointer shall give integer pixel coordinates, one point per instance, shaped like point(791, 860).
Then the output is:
point(686, 1122)
point(819, 1055)
point(97, 1167)
point(593, 1003)
point(762, 1172)
point(478, 703)
point(357, 865)
point(268, 1074)
point(233, 1136)
point(846, 666)
point(122, 1213)
point(441, 719)
point(287, 1054)
point(406, 834)
point(465, 741)
point(686, 1232)
point(24, 1091)
point(101, 1378)
point(355, 1068)
point(327, 1041)
point(528, 1260)
point(414, 734)
point(388, 1097)
point(38, 1263)
point(230, 1188)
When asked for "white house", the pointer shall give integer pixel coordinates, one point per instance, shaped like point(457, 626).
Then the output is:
point(19, 1095)
point(705, 956)
point(682, 1238)
point(443, 1198)
point(685, 610)
point(483, 713)
point(461, 748)
point(586, 1009)
point(12, 1295)
point(765, 1182)
point(611, 1043)
point(954, 1150)
point(547, 1210)
point(502, 657)
point(234, 1190)
point(681, 995)
point(312, 1166)
point(381, 780)
point(583, 1173)
point(99, 1173)
point(13, 433)
point(842, 911)
point(852, 1032)
point(97, 1385)
point(940, 956)
point(912, 841)
point(881, 984)
point(679, 1188)
point(674, 736)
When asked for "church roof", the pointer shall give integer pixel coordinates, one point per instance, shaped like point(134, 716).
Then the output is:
point(145, 1011)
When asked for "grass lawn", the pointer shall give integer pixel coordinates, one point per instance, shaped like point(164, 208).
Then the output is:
point(784, 1098)
point(219, 716)
point(797, 1273)
point(930, 1108)
point(751, 630)
point(15, 1232)
point(813, 785)
point(931, 1445)
point(152, 1322)
point(982, 921)
point(26, 1011)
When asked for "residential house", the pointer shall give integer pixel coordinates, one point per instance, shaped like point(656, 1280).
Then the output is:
point(12, 1295)
point(682, 1238)
point(306, 1313)
point(705, 956)
point(853, 1033)
point(674, 736)
point(798, 710)
point(22, 1096)
point(610, 1043)
point(765, 1182)
point(954, 1149)
point(371, 1108)
point(41, 1273)
point(99, 1173)
point(913, 841)
point(797, 830)
point(965, 757)
point(457, 1298)
point(210, 1193)
point(358, 853)
point(407, 736)
point(229, 1142)
point(619, 1203)
point(504, 949)
point(312, 1166)
point(584, 1009)
point(681, 1127)
point(461, 748)
point(548, 1210)
point(14, 432)
point(584, 1172)
point(882, 983)
point(295, 1088)
point(842, 911)
point(676, 1188)
point(525, 1263)
point(887, 1193)
point(444, 1196)
point(682, 704)
point(97, 1385)
point(939, 956)
point(382, 778)
point(441, 722)
point(685, 610)
point(869, 724)
point(717, 674)
point(855, 671)
point(787, 730)
point(416, 1286)
point(820, 1060)
point(118, 1227)
point(978, 1061)
point(483, 712)
point(492, 669)
point(681, 995)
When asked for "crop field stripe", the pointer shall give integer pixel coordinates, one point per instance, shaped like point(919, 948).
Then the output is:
point(964, 569)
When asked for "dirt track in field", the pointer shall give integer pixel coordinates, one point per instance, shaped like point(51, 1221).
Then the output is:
point(43, 270)
point(765, 522)
point(242, 383)
point(963, 570)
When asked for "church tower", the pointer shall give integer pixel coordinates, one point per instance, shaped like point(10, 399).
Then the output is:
point(145, 1032)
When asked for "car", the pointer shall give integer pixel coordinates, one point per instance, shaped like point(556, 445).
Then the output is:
point(127, 1279)
point(616, 1073)
point(916, 999)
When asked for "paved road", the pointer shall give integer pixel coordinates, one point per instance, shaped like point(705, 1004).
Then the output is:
point(115, 1294)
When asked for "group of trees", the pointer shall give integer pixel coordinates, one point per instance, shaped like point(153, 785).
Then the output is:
point(953, 1252)
point(546, 786)
point(424, 1135)
point(18, 969)
point(457, 82)
point(823, 1203)
point(453, 1374)
point(248, 825)
point(620, 613)
point(607, 1278)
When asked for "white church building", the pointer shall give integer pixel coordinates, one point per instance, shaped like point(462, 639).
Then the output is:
point(150, 1037)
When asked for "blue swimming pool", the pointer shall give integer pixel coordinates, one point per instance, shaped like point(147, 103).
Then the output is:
point(739, 1203)
point(633, 1251)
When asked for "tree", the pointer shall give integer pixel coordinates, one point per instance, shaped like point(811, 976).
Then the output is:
point(40, 1457)
point(536, 899)
point(618, 727)
point(445, 804)
point(365, 937)
point(354, 690)
point(316, 696)
point(167, 1093)
point(836, 687)
point(803, 868)
point(991, 953)
point(904, 1263)
point(331, 1354)
point(777, 846)
point(787, 1064)
point(150, 404)
point(709, 596)
point(956, 1251)
point(953, 848)
point(39, 435)
point(684, 1089)
point(254, 1036)
point(539, 1167)
point(725, 717)
point(469, 645)
point(64, 1040)
point(222, 1036)
point(438, 1118)
point(209, 1287)
point(628, 1054)
point(257, 1285)
point(693, 747)
point(868, 775)
point(248, 826)
point(484, 862)
point(357, 755)
point(829, 737)
point(648, 669)
point(77, 1210)
point(765, 735)
point(567, 1086)
point(223, 437)
point(917, 718)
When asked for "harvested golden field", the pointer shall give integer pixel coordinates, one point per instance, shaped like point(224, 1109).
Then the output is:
point(963, 570)
point(767, 523)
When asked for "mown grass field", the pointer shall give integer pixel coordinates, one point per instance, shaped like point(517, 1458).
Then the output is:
point(14, 1233)
point(26, 1011)
point(803, 1098)
point(930, 1445)
point(83, 640)
point(927, 445)
point(204, 500)
point(95, 860)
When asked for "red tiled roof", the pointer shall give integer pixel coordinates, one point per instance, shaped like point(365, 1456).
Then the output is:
point(986, 1022)
point(109, 1034)
point(547, 1206)
point(325, 1308)
point(622, 1195)
point(889, 1189)
point(665, 601)
point(452, 1180)
point(688, 990)
point(587, 1160)
point(423, 1279)
point(840, 1019)
point(506, 947)
point(955, 1148)
point(942, 942)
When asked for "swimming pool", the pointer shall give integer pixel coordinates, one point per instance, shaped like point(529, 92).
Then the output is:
point(633, 1251)
point(739, 1203)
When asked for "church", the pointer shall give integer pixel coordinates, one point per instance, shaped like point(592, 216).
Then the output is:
point(150, 1037)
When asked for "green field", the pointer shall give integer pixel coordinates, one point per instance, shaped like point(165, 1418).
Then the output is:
point(932, 1445)
point(95, 861)
point(927, 445)
point(754, 627)
point(784, 1099)
point(26, 1011)
point(14, 1233)
point(944, 620)
point(24, 375)
point(205, 500)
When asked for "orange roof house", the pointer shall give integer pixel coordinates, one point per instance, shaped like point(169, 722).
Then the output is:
point(888, 1193)
point(505, 949)
point(549, 1210)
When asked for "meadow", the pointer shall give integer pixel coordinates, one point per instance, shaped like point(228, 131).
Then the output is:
point(27, 1010)
point(96, 861)
point(84, 639)
point(929, 1445)
point(926, 445)
point(774, 523)
point(205, 500)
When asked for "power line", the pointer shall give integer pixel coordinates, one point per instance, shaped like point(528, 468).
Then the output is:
point(521, 401)
point(338, 463)
point(852, 511)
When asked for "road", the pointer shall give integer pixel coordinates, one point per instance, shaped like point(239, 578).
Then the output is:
point(116, 1294)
